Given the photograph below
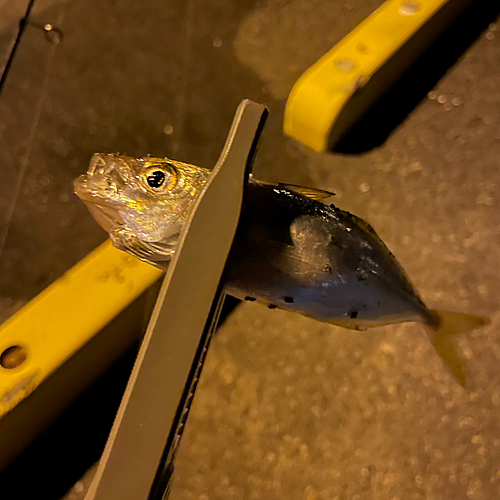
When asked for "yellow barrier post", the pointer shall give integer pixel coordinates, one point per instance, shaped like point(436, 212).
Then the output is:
point(338, 89)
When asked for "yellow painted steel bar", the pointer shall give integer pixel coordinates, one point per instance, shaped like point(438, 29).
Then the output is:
point(316, 111)
point(66, 315)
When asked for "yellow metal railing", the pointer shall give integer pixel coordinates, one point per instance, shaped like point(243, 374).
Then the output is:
point(316, 112)
point(66, 315)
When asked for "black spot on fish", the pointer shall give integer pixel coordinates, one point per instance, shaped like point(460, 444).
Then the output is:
point(250, 299)
point(272, 306)
point(327, 269)
point(353, 314)
point(288, 300)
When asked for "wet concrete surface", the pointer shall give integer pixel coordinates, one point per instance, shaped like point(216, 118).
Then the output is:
point(287, 407)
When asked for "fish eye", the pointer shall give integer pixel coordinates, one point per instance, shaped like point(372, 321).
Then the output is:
point(155, 179)
point(159, 178)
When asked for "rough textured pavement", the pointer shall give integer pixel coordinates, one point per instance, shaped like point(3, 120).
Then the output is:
point(289, 407)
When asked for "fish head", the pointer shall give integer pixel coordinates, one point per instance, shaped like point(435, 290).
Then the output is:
point(141, 203)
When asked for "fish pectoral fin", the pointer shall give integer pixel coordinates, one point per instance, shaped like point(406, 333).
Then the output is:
point(313, 193)
point(450, 324)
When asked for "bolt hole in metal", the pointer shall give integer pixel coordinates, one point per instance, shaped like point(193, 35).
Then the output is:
point(13, 357)
point(345, 65)
point(409, 8)
point(52, 33)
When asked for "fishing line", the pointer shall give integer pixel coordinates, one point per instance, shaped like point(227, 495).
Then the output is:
point(15, 44)
point(23, 163)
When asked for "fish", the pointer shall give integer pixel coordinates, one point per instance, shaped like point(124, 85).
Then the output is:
point(293, 249)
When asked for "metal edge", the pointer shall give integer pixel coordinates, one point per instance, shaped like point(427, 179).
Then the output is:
point(146, 415)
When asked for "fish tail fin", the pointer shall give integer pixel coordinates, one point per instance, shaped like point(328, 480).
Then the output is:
point(444, 325)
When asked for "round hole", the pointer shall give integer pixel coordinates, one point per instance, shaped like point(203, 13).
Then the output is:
point(13, 357)
point(409, 8)
point(345, 65)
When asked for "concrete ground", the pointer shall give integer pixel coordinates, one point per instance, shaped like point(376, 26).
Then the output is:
point(287, 407)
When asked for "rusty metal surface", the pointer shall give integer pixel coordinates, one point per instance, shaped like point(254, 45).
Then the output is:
point(288, 407)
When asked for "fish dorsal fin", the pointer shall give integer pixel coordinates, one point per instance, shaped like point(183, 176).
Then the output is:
point(313, 193)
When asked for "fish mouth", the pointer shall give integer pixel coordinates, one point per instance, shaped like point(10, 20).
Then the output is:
point(116, 166)
point(106, 177)
point(102, 209)
point(96, 162)
point(109, 212)
point(91, 189)
point(81, 189)
point(107, 217)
